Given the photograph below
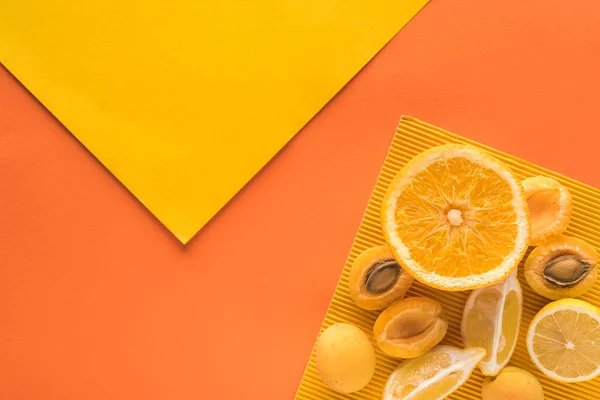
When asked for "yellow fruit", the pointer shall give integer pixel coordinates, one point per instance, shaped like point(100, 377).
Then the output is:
point(491, 320)
point(345, 358)
point(456, 218)
point(512, 384)
point(550, 207)
point(377, 280)
point(563, 340)
point(562, 267)
point(432, 376)
point(410, 327)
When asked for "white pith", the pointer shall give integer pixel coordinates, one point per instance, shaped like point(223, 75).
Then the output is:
point(463, 360)
point(510, 284)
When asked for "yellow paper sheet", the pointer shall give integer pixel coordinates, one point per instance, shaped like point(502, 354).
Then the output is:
point(185, 100)
point(413, 137)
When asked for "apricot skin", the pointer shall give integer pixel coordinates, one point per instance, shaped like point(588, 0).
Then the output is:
point(560, 245)
point(410, 327)
point(550, 208)
point(356, 282)
point(345, 358)
point(512, 384)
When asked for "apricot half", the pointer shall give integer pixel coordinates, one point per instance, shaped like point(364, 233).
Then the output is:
point(550, 207)
point(410, 327)
point(345, 358)
point(377, 280)
point(562, 267)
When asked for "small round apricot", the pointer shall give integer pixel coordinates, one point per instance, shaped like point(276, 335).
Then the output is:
point(410, 327)
point(345, 358)
point(377, 280)
point(512, 384)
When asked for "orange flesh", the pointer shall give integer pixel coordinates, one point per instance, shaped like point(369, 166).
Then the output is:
point(484, 237)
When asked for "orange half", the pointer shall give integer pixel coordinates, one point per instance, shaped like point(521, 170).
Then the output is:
point(456, 218)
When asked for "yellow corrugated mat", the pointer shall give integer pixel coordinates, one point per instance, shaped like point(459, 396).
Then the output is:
point(411, 138)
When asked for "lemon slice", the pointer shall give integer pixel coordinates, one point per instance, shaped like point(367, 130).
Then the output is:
point(456, 218)
point(434, 375)
point(563, 340)
point(491, 320)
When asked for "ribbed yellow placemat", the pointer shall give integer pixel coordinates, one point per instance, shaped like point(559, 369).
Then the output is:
point(411, 138)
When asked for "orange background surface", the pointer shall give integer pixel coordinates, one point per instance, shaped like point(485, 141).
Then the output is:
point(99, 301)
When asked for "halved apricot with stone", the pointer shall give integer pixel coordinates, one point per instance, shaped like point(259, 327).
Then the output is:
point(410, 327)
point(377, 280)
point(562, 267)
point(550, 207)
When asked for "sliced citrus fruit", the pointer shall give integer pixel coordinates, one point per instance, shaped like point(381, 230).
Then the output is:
point(410, 327)
point(563, 340)
point(456, 218)
point(432, 376)
point(491, 320)
point(550, 207)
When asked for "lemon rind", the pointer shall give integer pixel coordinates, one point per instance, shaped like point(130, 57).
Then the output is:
point(510, 284)
point(462, 359)
point(567, 304)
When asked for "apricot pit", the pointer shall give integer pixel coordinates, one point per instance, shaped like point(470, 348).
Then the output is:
point(377, 280)
point(563, 267)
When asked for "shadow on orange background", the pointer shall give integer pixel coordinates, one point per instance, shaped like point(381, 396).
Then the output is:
point(99, 301)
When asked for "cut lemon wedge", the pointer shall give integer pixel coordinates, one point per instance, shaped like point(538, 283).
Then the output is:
point(491, 320)
point(456, 218)
point(434, 375)
point(563, 340)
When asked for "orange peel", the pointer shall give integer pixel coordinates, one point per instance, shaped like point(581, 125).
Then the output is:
point(456, 218)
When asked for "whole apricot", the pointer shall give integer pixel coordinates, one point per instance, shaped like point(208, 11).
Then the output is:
point(512, 384)
point(345, 358)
